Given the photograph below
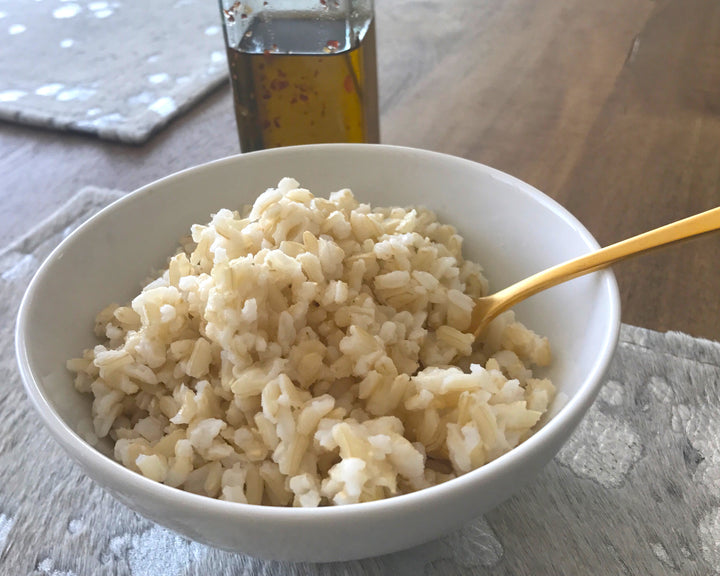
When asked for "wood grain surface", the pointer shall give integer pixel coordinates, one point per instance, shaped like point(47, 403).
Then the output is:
point(612, 108)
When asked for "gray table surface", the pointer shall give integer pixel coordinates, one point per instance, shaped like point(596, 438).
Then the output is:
point(111, 69)
point(635, 491)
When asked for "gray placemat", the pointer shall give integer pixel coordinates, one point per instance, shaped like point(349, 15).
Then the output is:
point(636, 490)
point(120, 70)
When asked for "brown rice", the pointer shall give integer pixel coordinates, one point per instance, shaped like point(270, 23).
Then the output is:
point(311, 352)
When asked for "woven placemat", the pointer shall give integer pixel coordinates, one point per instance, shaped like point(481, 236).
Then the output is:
point(120, 70)
point(635, 491)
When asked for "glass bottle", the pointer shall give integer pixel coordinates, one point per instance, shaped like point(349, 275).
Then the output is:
point(302, 71)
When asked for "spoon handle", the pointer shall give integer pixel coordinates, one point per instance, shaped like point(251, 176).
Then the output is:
point(689, 227)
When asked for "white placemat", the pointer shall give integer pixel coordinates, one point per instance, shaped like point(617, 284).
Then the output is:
point(119, 69)
point(635, 491)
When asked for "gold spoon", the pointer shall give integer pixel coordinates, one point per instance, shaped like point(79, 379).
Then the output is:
point(488, 307)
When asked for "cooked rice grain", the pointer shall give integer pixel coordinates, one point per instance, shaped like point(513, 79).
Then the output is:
point(305, 354)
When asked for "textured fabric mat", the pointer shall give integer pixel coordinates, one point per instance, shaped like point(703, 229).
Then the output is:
point(115, 68)
point(636, 490)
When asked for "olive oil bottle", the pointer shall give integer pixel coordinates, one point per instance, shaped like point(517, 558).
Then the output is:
point(303, 76)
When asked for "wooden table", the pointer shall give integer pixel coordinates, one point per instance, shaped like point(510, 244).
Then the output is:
point(612, 108)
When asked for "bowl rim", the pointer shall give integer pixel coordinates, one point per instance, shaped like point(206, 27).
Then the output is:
point(91, 458)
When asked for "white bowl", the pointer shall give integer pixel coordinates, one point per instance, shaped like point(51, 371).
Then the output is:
point(512, 229)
